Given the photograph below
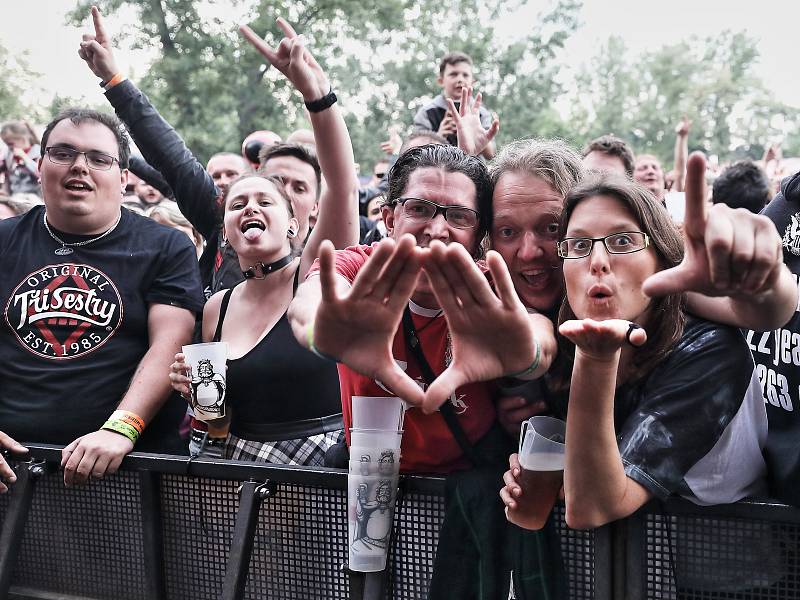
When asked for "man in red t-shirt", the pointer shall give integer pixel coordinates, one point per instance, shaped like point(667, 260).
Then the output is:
point(438, 210)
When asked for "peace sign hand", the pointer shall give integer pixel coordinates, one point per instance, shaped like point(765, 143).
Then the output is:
point(96, 49)
point(727, 252)
point(472, 137)
point(293, 59)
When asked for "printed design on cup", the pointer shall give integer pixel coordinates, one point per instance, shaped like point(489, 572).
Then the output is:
point(64, 311)
point(208, 389)
point(374, 511)
point(791, 236)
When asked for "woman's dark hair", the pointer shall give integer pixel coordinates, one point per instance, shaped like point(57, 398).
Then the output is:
point(667, 318)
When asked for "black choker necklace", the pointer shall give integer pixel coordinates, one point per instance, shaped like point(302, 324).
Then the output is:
point(260, 270)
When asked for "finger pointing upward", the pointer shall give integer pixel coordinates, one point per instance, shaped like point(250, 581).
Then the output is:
point(99, 29)
point(694, 220)
point(287, 29)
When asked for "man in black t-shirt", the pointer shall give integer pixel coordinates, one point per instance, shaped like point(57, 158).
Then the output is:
point(96, 301)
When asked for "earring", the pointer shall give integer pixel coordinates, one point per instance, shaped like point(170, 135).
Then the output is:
point(224, 242)
point(291, 233)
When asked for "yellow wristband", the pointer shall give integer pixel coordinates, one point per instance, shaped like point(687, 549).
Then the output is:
point(122, 428)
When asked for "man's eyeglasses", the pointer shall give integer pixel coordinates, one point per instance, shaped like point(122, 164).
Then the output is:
point(64, 155)
point(623, 242)
point(423, 211)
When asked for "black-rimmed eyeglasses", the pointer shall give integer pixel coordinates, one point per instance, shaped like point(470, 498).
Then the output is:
point(623, 242)
point(64, 155)
point(421, 210)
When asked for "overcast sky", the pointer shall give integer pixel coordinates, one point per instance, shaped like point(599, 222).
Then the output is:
point(37, 26)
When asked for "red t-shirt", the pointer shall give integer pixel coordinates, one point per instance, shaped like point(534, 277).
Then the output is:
point(428, 445)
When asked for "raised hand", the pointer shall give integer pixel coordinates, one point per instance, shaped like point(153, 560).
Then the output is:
point(727, 252)
point(394, 143)
point(601, 340)
point(682, 128)
point(96, 49)
point(293, 59)
point(490, 332)
point(358, 328)
point(472, 137)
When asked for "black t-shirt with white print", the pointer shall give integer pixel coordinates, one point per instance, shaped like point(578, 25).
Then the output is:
point(74, 326)
point(777, 356)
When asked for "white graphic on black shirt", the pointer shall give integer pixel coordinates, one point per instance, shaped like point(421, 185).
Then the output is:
point(64, 311)
point(791, 237)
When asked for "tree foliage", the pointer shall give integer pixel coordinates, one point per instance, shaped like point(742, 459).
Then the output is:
point(712, 81)
point(382, 58)
point(17, 78)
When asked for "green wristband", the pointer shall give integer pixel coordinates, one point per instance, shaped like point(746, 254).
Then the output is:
point(534, 364)
point(123, 428)
point(313, 348)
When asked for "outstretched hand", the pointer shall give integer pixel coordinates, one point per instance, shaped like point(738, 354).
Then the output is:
point(358, 328)
point(96, 49)
point(727, 252)
point(601, 340)
point(293, 59)
point(472, 137)
point(490, 331)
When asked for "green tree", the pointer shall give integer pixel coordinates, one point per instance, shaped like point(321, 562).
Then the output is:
point(214, 88)
point(17, 79)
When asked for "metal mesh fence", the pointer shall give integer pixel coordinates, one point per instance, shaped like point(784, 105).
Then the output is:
point(577, 552)
point(198, 517)
point(88, 542)
point(700, 558)
point(84, 541)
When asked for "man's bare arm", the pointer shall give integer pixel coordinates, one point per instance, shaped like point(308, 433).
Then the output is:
point(102, 451)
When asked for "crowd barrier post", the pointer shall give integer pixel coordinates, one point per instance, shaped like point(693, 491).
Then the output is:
point(251, 494)
point(14, 522)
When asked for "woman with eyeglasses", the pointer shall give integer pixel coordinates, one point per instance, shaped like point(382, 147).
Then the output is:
point(660, 403)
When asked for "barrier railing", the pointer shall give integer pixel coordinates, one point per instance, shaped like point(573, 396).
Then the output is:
point(166, 527)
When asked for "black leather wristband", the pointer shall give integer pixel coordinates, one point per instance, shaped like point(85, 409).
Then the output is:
point(321, 104)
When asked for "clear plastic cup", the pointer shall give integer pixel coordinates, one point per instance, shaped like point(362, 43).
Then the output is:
point(377, 412)
point(207, 373)
point(375, 438)
point(541, 456)
point(370, 514)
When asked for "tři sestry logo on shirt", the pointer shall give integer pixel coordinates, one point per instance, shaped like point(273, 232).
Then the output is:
point(64, 311)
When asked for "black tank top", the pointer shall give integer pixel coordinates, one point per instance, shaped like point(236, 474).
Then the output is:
point(280, 390)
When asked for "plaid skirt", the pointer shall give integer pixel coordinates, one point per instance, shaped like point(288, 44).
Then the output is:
point(309, 451)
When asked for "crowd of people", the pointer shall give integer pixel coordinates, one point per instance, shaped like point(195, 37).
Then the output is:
point(482, 285)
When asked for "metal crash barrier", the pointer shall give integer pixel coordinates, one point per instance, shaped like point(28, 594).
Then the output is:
point(165, 527)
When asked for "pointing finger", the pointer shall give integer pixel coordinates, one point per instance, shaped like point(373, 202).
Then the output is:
point(694, 221)
point(99, 27)
point(287, 29)
point(258, 43)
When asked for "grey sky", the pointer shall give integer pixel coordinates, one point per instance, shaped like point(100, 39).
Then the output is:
point(37, 26)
